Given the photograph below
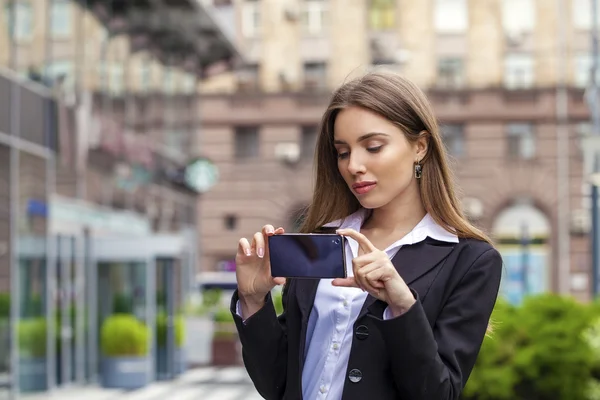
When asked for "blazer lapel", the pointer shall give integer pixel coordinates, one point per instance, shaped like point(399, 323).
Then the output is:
point(413, 261)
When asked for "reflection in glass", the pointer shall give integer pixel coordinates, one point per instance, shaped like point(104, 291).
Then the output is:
point(123, 332)
point(32, 322)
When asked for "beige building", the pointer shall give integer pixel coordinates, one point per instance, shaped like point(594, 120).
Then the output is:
point(491, 69)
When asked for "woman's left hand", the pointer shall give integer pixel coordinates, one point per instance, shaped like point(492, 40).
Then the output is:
point(375, 273)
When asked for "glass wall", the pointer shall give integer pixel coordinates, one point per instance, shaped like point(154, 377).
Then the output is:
point(5, 257)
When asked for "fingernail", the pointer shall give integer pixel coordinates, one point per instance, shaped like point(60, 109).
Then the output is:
point(248, 252)
point(269, 231)
point(260, 252)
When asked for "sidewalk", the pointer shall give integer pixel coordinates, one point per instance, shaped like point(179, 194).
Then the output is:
point(230, 383)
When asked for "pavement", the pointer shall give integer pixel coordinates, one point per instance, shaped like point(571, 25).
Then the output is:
point(207, 383)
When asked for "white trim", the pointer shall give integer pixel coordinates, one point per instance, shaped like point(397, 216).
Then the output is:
point(25, 146)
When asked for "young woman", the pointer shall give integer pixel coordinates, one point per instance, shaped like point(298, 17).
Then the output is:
point(409, 321)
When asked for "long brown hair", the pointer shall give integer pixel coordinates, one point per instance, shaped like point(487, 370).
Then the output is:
point(404, 104)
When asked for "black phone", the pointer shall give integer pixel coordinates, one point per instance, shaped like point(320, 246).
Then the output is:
point(307, 255)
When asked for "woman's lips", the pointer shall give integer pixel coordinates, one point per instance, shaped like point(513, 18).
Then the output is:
point(363, 187)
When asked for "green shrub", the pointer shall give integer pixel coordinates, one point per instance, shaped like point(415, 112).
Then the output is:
point(123, 335)
point(122, 304)
point(161, 330)
point(32, 337)
point(4, 305)
point(537, 351)
point(224, 324)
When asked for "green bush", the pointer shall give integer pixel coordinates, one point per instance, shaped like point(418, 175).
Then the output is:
point(161, 330)
point(32, 337)
point(538, 350)
point(4, 305)
point(224, 324)
point(122, 304)
point(123, 335)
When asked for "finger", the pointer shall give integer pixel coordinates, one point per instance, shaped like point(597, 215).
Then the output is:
point(268, 230)
point(279, 281)
point(365, 278)
point(244, 247)
point(344, 282)
point(364, 243)
point(258, 242)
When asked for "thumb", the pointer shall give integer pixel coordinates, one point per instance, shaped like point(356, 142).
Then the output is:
point(279, 281)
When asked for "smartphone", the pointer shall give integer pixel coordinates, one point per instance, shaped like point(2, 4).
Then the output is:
point(307, 255)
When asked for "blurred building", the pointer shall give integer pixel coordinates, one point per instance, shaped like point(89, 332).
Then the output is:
point(506, 78)
point(98, 116)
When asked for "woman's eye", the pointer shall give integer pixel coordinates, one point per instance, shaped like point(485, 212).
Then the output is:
point(341, 156)
point(374, 149)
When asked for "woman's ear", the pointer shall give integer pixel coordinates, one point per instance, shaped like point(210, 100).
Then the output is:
point(422, 144)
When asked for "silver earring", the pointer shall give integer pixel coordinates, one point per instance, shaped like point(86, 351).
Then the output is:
point(418, 170)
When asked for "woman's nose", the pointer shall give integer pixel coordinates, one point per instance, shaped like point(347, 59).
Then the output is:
point(355, 165)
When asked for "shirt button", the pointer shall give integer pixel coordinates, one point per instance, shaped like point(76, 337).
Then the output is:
point(336, 346)
point(345, 303)
point(323, 389)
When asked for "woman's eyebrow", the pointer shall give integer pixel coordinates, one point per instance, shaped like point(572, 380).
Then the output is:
point(363, 137)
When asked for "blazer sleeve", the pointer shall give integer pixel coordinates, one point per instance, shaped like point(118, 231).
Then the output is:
point(264, 346)
point(436, 363)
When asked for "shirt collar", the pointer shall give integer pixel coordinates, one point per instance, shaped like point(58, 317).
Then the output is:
point(427, 227)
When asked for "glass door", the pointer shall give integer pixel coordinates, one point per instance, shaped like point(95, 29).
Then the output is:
point(169, 318)
point(69, 312)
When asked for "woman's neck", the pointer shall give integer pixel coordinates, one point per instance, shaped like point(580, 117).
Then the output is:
point(401, 214)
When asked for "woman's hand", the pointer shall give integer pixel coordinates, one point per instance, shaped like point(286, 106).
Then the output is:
point(253, 270)
point(375, 273)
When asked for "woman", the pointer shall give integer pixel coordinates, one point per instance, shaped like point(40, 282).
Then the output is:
point(409, 320)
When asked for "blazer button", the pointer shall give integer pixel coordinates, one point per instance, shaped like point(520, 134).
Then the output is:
point(355, 375)
point(362, 332)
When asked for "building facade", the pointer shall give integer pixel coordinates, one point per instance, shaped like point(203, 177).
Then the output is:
point(98, 108)
point(506, 79)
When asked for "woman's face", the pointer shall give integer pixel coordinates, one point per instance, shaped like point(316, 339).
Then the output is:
point(374, 157)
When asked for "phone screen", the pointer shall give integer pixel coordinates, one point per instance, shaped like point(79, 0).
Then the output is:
point(307, 256)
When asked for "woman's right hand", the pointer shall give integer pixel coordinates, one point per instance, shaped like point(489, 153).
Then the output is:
point(253, 269)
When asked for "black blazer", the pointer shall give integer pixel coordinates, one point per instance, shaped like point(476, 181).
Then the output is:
point(426, 353)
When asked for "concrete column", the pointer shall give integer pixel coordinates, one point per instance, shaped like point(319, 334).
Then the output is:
point(485, 62)
point(349, 39)
point(417, 36)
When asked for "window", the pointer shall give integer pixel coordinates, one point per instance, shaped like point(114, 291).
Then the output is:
point(61, 18)
point(308, 142)
point(169, 80)
point(315, 76)
point(450, 73)
point(521, 141)
point(382, 14)
point(188, 85)
point(176, 140)
point(518, 16)
point(314, 16)
point(451, 16)
point(247, 78)
point(231, 222)
point(251, 19)
point(518, 71)
point(21, 26)
point(246, 142)
point(145, 77)
point(60, 72)
point(583, 66)
point(454, 139)
point(582, 14)
point(111, 78)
